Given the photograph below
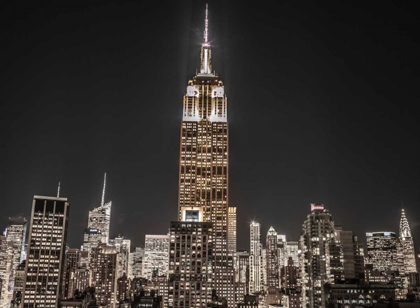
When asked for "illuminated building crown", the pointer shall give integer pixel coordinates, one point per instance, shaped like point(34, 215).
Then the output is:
point(405, 232)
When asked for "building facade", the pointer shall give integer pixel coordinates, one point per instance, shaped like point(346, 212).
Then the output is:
point(232, 230)
point(156, 256)
point(103, 268)
point(70, 266)
point(15, 235)
point(190, 264)
point(123, 247)
point(137, 262)
point(382, 252)
point(46, 252)
point(272, 258)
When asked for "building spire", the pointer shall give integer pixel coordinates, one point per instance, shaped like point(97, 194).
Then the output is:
point(103, 191)
point(58, 190)
point(405, 231)
point(205, 47)
point(206, 25)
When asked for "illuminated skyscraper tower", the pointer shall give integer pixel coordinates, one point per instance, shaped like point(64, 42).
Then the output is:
point(203, 171)
point(46, 252)
point(100, 217)
point(406, 246)
point(255, 258)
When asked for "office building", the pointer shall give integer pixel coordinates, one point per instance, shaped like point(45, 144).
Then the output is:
point(255, 258)
point(91, 239)
point(382, 251)
point(15, 235)
point(103, 268)
point(71, 264)
point(123, 247)
point(100, 217)
point(320, 258)
point(272, 257)
point(46, 252)
point(190, 261)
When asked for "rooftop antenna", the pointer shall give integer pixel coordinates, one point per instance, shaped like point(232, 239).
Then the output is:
point(206, 25)
point(58, 190)
point(103, 191)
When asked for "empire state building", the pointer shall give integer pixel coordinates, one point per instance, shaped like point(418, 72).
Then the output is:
point(204, 169)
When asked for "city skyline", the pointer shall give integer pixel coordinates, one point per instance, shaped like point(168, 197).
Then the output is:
point(129, 188)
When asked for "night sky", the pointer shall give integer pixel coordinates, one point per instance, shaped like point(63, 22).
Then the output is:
point(323, 107)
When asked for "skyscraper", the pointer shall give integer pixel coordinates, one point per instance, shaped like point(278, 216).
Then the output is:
point(382, 251)
point(123, 247)
point(69, 275)
point(190, 261)
point(104, 274)
point(15, 236)
point(320, 260)
point(100, 217)
point(353, 257)
point(272, 258)
point(203, 171)
point(6, 249)
point(406, 245)
point(255, 258)
point(46, 252)
point(92, 238)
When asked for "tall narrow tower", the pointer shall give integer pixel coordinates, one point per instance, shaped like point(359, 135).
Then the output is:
point(203, 168)
point(406, 246)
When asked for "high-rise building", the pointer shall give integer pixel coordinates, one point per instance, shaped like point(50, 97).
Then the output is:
point(104, 274)
point(46, 252)
point(290, 275)
point(353, 257)
point(406, 244)
point(123, 247)
point(190, 261)
point(15, 237)
point(156, 256)
point(382, 251)
point(70, 266)
point(15, 234)
point(242, 268)
point(272, 258)
point(241, 275)
point(100, 217)
point(81, 278)
point(203, 172)
point(320, 258)
point(91, 239)
point(137, 262)
point(232, 230)
point(263, 263)
point(255, 258)
point(6, 249)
